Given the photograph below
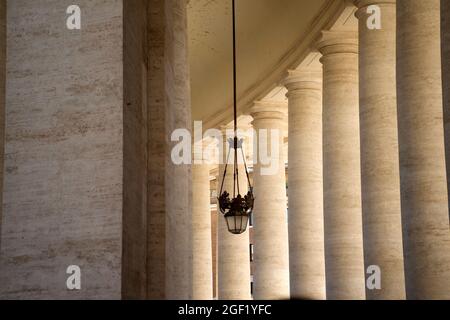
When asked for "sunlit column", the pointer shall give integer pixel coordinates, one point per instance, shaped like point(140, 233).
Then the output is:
point(306, 237)
point(426, 233)
point(271, 252)
point(379, 147)
point(344, 259)
point(233, 250)
point(202, 278)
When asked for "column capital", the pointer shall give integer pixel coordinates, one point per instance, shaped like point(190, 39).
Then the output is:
point(363, 4)
point(305, 79)
point(269, 109)
point(332, 42)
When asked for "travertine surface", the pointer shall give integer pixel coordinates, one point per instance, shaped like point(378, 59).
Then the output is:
point(178, 186)
point(135, 151)
point(445, 33)
point(344, 261)
point(215, 257)
point(64, 156)
point(425, 215)
point(156, 220)
point(202, 278)
point(233, 250)
point(2, 101)
point(379, 150)
point(306, 237)
point(271, 253)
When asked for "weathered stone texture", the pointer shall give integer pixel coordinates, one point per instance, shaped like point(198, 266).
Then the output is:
point(134, 285)
point(425, 213)
point(215, 258)
point(233, 250)
point(202, 277)
point(270, 220)
point(306, 239)
point(178, 177)
point(344, 258)
point(156, 252)
point(2, 100)
point(445, 31)
point(63, 159)
point(379, 151)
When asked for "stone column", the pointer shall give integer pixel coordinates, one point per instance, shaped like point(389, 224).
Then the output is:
point(422, 153)
point(202, 286)
point(2, 100)
point(178, 178)
point(271, 252)
point(64, 166)
point(380, 175)
point(169, 185)
point(233, 250)
point(445, 37)
point(344, 259)
point(306, 237)
point(215, 259)
point(75, 184)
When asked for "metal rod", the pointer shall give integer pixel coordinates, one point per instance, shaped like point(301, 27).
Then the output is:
point(246, 171)
point(236, 171)
point(234, 71)
point(224, 174)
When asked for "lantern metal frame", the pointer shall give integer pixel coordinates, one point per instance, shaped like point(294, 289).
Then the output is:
point(237, 210)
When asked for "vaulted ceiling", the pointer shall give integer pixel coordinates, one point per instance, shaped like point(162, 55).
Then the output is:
point(272, 35)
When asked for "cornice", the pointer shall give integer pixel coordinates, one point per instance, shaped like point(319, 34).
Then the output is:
point(325, 20)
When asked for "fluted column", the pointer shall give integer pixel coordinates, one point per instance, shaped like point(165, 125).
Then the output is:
point(379, 150)
point(306, 237)
point(341, 157)
point(233, 250)
point(271, 252)
point(202, 286)
point(422, 153)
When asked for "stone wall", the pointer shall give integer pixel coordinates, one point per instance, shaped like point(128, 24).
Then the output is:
point(64, 156)
point(89, 179)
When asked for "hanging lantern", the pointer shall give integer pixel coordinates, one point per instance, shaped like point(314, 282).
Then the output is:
point(238, 209)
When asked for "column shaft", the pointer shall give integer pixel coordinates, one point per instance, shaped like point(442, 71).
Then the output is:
point(64, 187)
point(271, 251)
point(233, 250)
point(156, 164)
point(381, 207)
point(445, 37)
point(342, 179)
point(306, 237)
point(2, 100)
point(202, 287)
point(426, 233)
point(178, 177)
